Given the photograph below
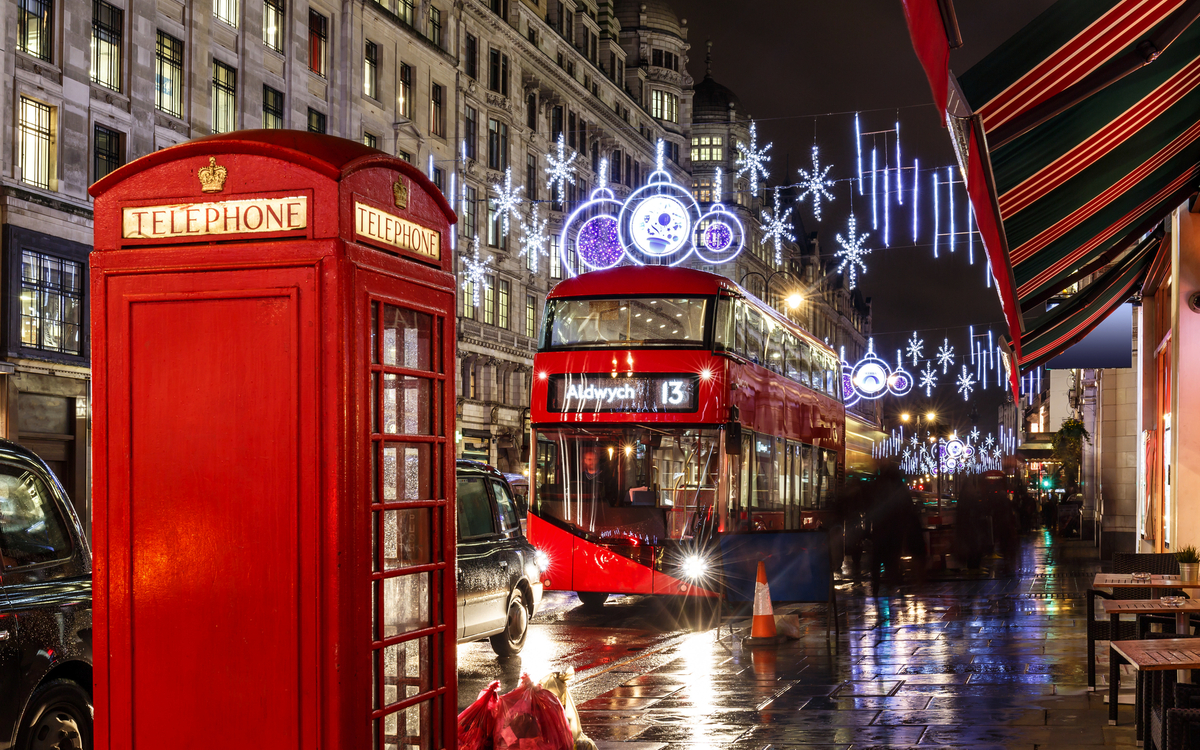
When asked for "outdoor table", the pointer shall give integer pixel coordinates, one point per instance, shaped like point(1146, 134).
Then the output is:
point(1126, 581)
point(1149, 656)
point(1117, 607)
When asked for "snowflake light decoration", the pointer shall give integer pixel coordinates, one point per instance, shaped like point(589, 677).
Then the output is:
point(915, 348)
point(775, 225)
point(534, 238)
point(753, 160)
point(989, 441)
point(507, 199)
point(853, 254)
point(966, 383)
point(814, 183)
point(558, 168)
point(929, 379)
point(475, 272)
point(974, 435)
point(945, 355)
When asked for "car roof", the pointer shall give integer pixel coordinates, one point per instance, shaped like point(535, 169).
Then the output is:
point(466, 465)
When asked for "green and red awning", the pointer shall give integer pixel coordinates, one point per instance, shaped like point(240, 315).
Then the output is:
point(1079, 134)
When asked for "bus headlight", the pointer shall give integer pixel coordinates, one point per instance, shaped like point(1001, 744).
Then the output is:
point(694, 567)
point(542, 560)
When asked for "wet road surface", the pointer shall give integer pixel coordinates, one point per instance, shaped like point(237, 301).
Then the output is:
point(987, 661)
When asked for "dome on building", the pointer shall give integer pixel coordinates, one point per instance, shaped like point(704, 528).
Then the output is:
point(711, 102)
point(659, 15)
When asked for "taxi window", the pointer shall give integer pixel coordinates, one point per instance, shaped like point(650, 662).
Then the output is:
point(31, 529)
point(474, 511)
point(509, 518)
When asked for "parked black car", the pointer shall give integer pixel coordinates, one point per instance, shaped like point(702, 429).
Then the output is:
point(45, 611)
point(499, 571)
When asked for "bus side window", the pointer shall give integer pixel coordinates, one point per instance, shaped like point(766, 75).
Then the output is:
point(775, 346)
point(754, 336)
point(818, 370)
point(739, 327)
point(723, 334)
point(792, 366)
point(832, 384)
point(803, 364)
point(806, 484)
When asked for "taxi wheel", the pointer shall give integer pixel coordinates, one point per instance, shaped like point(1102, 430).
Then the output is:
point(592, 599)
point(59, 718)
point(516, 628)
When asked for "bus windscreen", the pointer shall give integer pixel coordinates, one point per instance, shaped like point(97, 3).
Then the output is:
point(677, 322)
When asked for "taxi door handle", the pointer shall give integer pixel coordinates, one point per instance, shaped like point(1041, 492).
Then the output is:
point(504, 563)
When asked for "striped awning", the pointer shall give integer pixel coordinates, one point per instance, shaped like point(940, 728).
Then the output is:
point(1078, 135)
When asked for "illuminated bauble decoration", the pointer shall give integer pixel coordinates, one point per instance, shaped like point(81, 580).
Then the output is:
point(598, 244)
point(870, 377)
point(899, 383)
point(850, 395)
point(718, 237)
point(659, 225)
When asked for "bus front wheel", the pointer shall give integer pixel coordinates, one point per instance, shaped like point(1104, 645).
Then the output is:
point(592, 599)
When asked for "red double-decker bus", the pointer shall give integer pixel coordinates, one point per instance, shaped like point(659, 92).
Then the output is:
point(671, 407)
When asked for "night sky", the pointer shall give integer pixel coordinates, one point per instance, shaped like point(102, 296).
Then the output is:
point(800, 66)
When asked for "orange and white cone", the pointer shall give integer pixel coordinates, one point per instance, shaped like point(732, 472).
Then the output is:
point(763, 625)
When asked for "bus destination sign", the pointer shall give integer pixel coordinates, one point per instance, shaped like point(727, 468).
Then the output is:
point(674, 392)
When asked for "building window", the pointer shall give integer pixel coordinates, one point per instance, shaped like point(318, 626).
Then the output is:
point(556, 122)
point(660, 58)
point(555, 258)
point(497, 144)
point(402, 8)
point(702, 189)
point(33, 27)
point(224, 98)
point(489, 301)
point(168, 84)
point(272, 108)
point(531, 117)
point(470, 131)
point(471, 211)
point(370, 140)
point(531, 176)
point(468, 311)
point(227, 11)
point(435, 26)
point(664, 106)
point(371, 70)
point(502, 303)
point(318, 38)
point(571, 129)
point(316, 121)
point(437, 109)
point(614, 168)
point(51, 303)
point(37, 142)
point(530, 315)
point(493, 226)
point(403, 155)
point(106, 44)
point(273, 24)
point(472, 56)
point(439, 179)
point(498, 72)
point(405, 93)
point(708, 148)
point(108, 151)
point(500, 7)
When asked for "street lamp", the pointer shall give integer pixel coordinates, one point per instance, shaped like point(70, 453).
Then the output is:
point(793, 300)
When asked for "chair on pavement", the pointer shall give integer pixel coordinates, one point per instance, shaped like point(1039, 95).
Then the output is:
point(1156, 563)
point(1174, 716)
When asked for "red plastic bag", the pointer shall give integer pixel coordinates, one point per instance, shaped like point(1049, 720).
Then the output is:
point(531, 718)
point(476, 722)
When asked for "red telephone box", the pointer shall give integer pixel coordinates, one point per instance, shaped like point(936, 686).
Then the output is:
point(273, 332)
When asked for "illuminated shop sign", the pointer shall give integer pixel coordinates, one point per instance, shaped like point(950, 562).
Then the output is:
point(604, 393)
point(253, 216)
point(372, 224)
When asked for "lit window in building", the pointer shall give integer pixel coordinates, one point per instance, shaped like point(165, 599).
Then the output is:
point(435, 26)
point(489, 301)
point(471, 212)
point(468, 295)
point(224, 98)
point(502, 303)
point(530, 315)
point(371, 70)
point(51, 303)
point(168, 78)
point(665, 106)
point(272, 108)
point(34, 19)
point(497, 144)
point(555, 257)
point(106, 44)
point(273, 24)
point(227, 11)
point(108, 151)
point(404, 95)
point(708, 148)
point(702, 189)
point(370, 140)
point(318, 41)
point(316, 121)
point(37, 142)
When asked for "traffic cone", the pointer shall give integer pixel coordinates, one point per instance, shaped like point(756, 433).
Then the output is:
point(763, 625)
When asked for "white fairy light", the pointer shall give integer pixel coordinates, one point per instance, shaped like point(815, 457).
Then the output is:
point(874, 192)
point(970, 236)
point(775, 228)
point(814, 183)
point(899, 169)
point(718, 186)
point(945, 355)
point(753, 160)
point(929, 381)
point(507, 201)
point(916, 184)
point(916, 346)
point(602, 175)
point(950, 191)
point(936, 215)
point(450, 200)
point(965, 383)
point(858, 146)
point(534, 239)
point(475, 272)
point(853, 253)
point(887, 222)
point(558, 169)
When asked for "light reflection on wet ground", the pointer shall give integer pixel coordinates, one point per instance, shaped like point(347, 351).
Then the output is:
point(996, 660)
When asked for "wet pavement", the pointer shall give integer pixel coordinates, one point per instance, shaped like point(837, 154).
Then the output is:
point(997, 659)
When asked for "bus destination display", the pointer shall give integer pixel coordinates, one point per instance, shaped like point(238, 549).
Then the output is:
point(635, 394)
